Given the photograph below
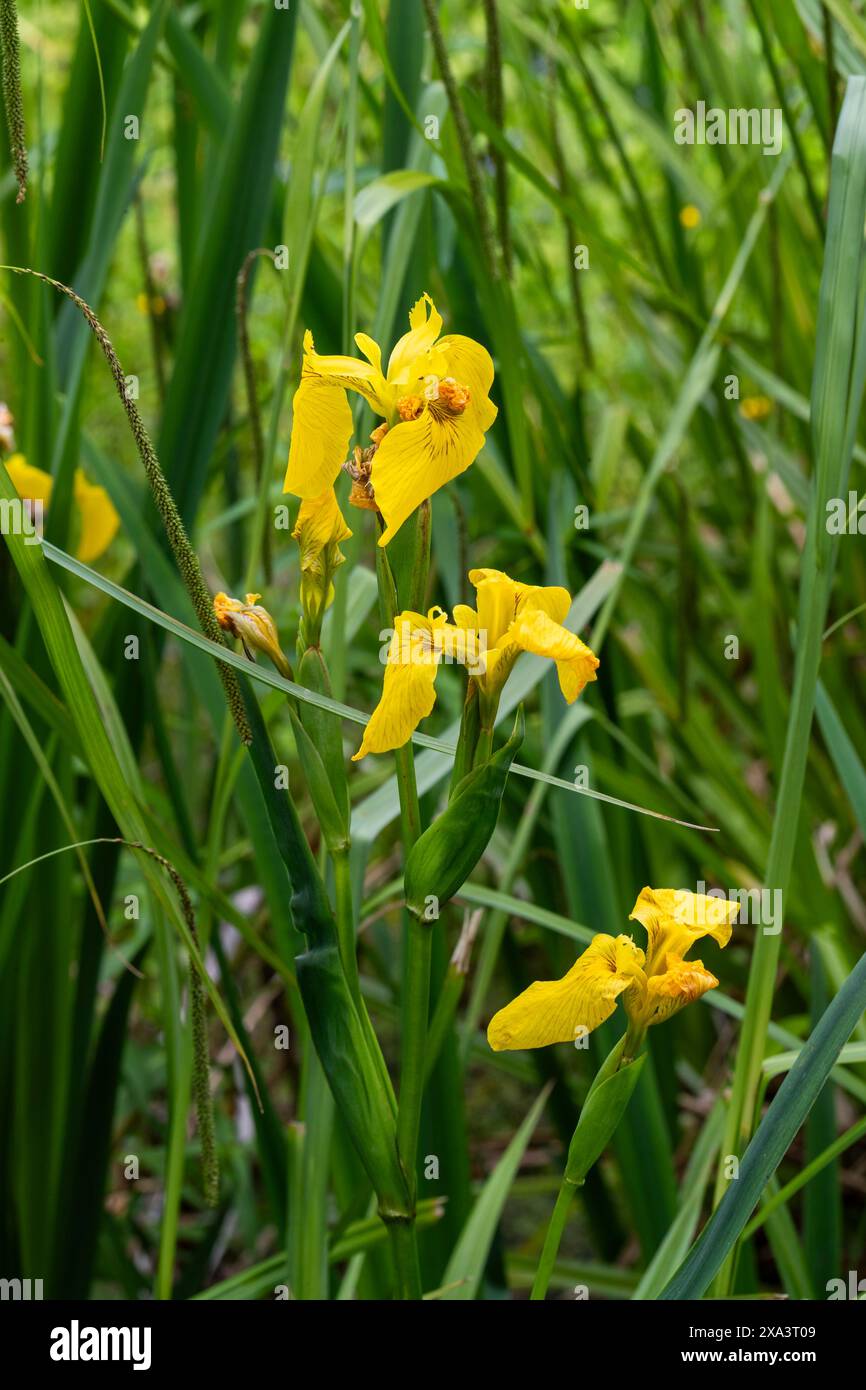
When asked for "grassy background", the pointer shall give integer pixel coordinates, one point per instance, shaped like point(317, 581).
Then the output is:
point(265, 128)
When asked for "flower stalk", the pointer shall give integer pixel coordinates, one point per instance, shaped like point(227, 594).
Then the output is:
point(414, 550)
point(602, 1111)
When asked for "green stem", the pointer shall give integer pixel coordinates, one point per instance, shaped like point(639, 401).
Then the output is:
point(443, 1015)
point(418, 940)
point(467, 738)
point(484, 747)
point(348, 948)
point(417, 937)
point(404, 1248)
point(346, 925)
point(552, 1240)
point(410, 811)
point(633, 1043)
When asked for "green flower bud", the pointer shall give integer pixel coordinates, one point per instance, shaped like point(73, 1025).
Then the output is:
point(602, 1111)
point(445, 855)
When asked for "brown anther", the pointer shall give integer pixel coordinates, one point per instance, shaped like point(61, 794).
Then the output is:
point(453, 397)
point(362, 496)
point(358, 469)
point(410, 407)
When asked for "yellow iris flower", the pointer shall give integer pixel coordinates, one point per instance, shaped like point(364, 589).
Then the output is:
point(510, 618)
point(97, 519)
point(434, 399)
point(254, 626)
point(654, 983)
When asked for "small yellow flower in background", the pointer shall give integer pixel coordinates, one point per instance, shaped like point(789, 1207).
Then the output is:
point(511, 618)
point(434, 399)
point(154, 305)
point(690, 217)
point(755, 407)
point(254, 626)
point(319, 528)
point(654, 983)
point(97, 519)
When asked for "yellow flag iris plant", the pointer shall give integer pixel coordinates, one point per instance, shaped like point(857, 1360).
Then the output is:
point(434, 408)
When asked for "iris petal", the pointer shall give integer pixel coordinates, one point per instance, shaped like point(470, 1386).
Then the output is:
point(98, 520)
point(682, 984)
point(576, 665)
point(408, 696)
point(418, 457)
point(424, 329)
point(321, 429)
point(675, 919)
point(553, 1011)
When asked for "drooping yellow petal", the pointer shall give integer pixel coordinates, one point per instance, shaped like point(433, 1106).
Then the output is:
point(98, 520)
point(533, 631)
point(674, 919)
point(670, 991)
point(32, 484)
point(416, 458)
point(444, 412)
point(321, 429)
point(322, 418)
point(408, 696)
point(552, 1011)
point(417, 646)
point(407, 358)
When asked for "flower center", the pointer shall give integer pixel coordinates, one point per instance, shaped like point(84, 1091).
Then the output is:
point(443, 395)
